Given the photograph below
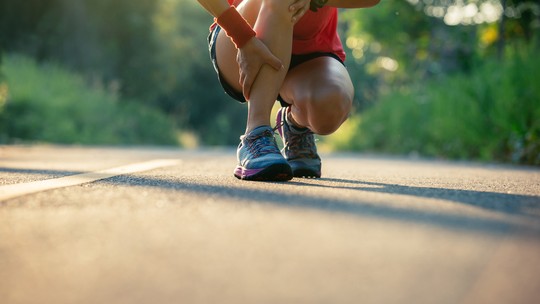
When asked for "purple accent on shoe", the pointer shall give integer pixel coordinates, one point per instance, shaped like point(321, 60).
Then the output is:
point(242, 172)
point(259, 157)
point(279, 121)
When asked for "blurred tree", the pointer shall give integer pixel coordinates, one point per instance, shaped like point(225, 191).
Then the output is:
point(148, 51)
point(442, 89)
point(189, 89)
point(401, 38)
point(110, 41)
point(126, 32)
point(406, 41)
point(154, 51)
point(3, 89)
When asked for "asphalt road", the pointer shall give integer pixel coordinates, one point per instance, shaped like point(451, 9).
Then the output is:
point(174, 226)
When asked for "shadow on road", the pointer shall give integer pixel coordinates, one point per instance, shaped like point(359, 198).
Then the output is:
point(515, 212)
point(515, 204)
point(506, 204)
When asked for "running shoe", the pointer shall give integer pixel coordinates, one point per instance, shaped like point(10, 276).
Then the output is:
point(259, 157)
point(299, 147)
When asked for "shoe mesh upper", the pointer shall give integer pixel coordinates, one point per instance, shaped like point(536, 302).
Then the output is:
point(261, 143)
point(258, 149)
point(298, 144)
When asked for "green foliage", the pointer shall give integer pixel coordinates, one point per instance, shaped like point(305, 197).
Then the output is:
point(493, 113)
point(188, 86)
point(423, 46)
point(47, 103)
point(153, 52)
point(109, 40)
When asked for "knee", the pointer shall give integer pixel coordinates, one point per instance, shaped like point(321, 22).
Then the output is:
point(329, 109)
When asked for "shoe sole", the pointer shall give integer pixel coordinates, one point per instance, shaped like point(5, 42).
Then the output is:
point(276, 172)
point(306, 173)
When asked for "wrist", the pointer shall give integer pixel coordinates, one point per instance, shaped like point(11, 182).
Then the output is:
point(235, 26)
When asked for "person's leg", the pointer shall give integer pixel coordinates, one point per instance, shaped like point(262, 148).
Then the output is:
point(258, 155)
point(320, 92)
point(271, 20)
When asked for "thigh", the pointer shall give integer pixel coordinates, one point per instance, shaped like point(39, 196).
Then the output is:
point(315, 79)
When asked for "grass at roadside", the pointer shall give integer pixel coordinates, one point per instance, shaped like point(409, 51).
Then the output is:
point(492, 114)
point(46, 103)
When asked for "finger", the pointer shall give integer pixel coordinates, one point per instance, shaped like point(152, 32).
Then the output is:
point(246, 86)
point(274, 62)
point(241, 79)
point(295, 5)
point(294, 9)
point(298, 15)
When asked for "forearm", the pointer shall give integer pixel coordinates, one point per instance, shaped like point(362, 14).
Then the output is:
point(352, 3)
point(234, 25)
point(214, 7)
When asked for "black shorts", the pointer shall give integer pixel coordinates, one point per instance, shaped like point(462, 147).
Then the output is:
point(295, 61)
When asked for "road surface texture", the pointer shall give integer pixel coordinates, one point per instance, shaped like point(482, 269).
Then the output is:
point(128, 225)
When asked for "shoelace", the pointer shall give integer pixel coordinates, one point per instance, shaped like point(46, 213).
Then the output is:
point(302, 144)
point(262, 143)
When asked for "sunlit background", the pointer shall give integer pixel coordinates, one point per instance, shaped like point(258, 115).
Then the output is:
point(453, 79)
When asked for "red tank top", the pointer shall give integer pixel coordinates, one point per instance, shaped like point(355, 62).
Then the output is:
point(315, 32)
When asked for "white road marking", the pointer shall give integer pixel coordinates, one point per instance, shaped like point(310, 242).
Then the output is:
point(12, 191)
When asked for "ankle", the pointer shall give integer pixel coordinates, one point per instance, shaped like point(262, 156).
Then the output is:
point(250, 128)
point(292, 122)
